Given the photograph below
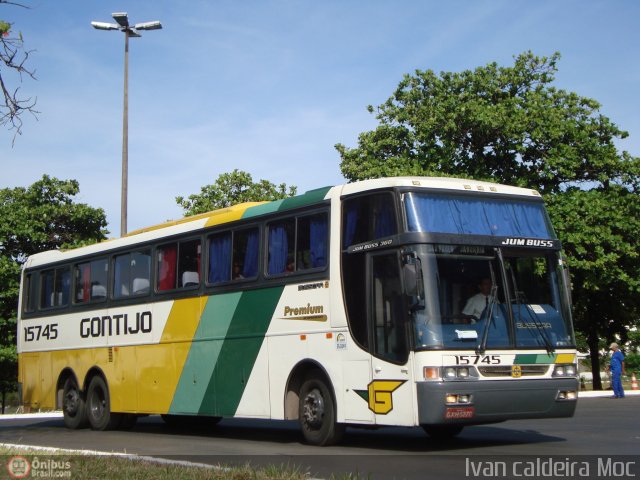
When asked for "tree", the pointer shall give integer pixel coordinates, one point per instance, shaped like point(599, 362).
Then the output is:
point(231, 189)
point(632, 363)
point(511, 125)
point(41, 217)
point(13, 58)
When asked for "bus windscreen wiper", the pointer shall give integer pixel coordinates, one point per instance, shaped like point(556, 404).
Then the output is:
point(482, 346)
point(520, 301)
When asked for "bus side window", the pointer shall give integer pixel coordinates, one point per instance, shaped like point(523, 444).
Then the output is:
point(368, 218)
point(91, 281)
point(219, 258)
point(132, 272)
point(245, 254)
point(179, 265)
point(167, 261)
point(55, 286)
point(189, 264)
point(281, 247)
point(29, 293)
point(311, 242)
point(140, 273)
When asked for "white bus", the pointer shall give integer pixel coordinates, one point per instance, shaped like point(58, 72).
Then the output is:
point(436, 302)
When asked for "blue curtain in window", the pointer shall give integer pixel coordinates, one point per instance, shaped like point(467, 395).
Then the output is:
point(385, 218)
point(117, 281)
point(220, 258)
point(66, 287)
point(318, 240)
point(47, 284)
point(278, 249)
point(250, 267)
point(440, 214)
point(351, 224)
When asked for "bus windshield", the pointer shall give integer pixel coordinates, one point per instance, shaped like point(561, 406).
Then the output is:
point(468, 215)
point(478, 297)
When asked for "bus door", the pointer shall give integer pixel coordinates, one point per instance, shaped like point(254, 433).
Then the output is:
point(391, 389)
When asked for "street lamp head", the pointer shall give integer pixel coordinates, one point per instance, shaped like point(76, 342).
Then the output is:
point(156, 25)
point(105, 26)
point(121, 18)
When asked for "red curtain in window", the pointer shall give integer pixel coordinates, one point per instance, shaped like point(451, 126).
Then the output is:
point(167, 269)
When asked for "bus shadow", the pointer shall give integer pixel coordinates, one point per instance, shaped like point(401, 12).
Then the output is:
point(395, 439)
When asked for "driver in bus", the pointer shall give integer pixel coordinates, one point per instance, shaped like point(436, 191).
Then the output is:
point(474, 307)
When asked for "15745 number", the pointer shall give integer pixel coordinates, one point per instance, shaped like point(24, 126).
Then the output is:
point(478, 359)
point(37, 332)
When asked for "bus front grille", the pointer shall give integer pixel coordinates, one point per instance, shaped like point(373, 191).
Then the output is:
point(505, 370)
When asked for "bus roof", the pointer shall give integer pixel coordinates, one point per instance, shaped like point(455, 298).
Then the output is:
point(255, 209)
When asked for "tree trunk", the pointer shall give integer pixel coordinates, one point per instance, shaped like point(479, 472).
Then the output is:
point(4, 396)
point(595, 359)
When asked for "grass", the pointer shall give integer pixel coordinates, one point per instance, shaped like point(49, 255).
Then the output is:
point(133, 468)
point(111, 467)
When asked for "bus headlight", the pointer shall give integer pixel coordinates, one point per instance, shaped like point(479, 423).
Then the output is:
point(450, 372)
point(567, 395)
point(458, 398)
point(568, 370)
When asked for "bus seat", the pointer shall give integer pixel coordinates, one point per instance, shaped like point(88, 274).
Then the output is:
point(98, 291)
point(190, 279)
point(140, 285)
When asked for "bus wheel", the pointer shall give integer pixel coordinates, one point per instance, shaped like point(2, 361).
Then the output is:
point(99, 406)
point(73, 405)
point(317, 413)
point(442, 432)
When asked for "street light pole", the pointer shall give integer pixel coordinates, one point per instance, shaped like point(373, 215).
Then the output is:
point(124, 194)
point(123, 25)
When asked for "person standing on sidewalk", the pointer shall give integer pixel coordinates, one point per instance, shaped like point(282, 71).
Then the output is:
point(616, 367)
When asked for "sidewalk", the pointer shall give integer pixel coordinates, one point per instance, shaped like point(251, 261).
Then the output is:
point(604, 393)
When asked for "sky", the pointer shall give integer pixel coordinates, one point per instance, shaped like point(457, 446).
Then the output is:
point(270, 87)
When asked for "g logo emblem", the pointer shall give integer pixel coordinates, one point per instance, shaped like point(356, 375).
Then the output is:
point(379, 395)
point(516, 371)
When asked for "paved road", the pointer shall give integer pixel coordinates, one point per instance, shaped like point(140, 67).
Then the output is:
point(601, 427)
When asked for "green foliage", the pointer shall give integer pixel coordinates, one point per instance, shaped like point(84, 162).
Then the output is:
point(231, 189)
point(634, 340)
point(34, 219)
point(632, 363)
point(4, 27)
point(510, 125)
point(501, 123)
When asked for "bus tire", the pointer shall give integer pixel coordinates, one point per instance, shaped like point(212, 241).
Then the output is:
point(317, 412)
point(99, 406)
point(442, 432)
point(74, 409)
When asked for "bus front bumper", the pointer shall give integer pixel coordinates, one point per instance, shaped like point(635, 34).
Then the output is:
point(493, 401)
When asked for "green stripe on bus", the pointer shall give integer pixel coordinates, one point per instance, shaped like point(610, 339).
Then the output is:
point(239, 351)
point(533, 358)
point(204, 352)
point(312, 196)
point(308, 198)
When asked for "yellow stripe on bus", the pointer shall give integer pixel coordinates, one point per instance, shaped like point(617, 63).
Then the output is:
point(565, 358)
point(159, 366)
